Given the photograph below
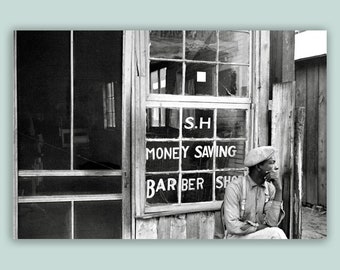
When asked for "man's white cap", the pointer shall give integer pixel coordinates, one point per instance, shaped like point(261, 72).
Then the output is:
point(257, 155)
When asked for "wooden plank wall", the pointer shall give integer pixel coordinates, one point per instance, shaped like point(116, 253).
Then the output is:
point(311, 92)
point(185, 226)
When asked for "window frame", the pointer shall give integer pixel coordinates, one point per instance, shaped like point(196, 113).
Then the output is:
point(150, 100)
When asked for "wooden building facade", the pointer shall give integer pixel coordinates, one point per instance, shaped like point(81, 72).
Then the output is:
point(311, 87)
point(135, 134)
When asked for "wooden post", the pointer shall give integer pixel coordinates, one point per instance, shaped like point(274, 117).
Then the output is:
point(297, 187)
point(261, 88)
point(282, 56)
point(283, 141)
point(282, 76)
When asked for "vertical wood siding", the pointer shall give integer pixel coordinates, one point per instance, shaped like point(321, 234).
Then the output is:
point(311, 84)
point(185, 226)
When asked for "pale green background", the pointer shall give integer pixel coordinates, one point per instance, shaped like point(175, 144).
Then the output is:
point(175, 14)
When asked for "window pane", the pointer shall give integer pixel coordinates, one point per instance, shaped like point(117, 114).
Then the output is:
point(44, 221)
point(196, 187)
point(162, 156)
point(43, 91)
point(40, 186)
point(198, 123)
point(98, 220)
point(222, 180)
point(201, 45)
point(230, 154)
point(166, 44)
point(97, 68)
point(200, 79)
point(231, 123)
point(161, 188)
point(234, 47)
point(233, 80)
point(162, 123)
point(197, 155)
point(166, 78)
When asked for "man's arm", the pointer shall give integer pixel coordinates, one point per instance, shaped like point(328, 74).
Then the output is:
point(233, 223)
point(273, 209)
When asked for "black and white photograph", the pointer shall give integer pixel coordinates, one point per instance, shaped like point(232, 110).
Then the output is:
point(170, 134)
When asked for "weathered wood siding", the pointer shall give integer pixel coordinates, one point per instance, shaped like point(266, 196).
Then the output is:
point(311, 84)
point(185, 226)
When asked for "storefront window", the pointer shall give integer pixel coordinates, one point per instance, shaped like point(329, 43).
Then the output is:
point(211, 63)
point(195, 165)
point(195, 144)
point(166, 44)
point(201, 45)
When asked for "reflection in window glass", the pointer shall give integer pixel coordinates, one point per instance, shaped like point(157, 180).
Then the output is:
point(200, 79)
point(234, 47)
point(158, 81)
point(231, 123)
point(43, 93)
point(45, 186)
point(233, 80)
point(109, 105)
point(201, 45)
point(165, 78)
point(162, 156)
point(44, 221)
point(230, 154)
point(161, 188)
point(197, 155)
point(98, 220)
point(166, 44)
point(223, 179)
point(198, 123)
point(162, 123)
point(156, 118)
point(98, 63)
point(196, 187)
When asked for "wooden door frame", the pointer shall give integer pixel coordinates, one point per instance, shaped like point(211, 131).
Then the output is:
point(126, 146)
point(127, 223)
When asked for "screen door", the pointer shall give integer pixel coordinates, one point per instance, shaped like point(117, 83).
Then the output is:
point(70, 148)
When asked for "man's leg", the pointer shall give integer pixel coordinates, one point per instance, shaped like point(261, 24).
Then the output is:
point(267, 233)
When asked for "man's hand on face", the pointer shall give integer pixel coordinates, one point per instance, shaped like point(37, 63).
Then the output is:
point(273, 176)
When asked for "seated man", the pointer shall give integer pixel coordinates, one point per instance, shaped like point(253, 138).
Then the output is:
point(253, 206)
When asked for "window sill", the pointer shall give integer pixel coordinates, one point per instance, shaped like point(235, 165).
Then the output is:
point(176, 209)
